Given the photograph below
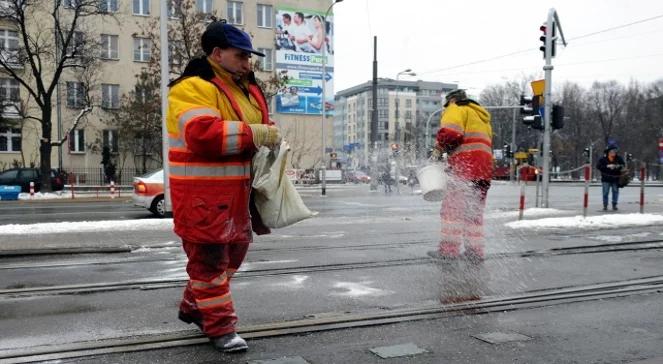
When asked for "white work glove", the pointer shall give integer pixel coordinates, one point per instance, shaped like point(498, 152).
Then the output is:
point(267, 135)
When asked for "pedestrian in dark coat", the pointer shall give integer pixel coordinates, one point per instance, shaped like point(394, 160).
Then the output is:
point(611, 166)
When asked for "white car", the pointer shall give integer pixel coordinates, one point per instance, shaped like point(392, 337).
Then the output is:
point(148, 193)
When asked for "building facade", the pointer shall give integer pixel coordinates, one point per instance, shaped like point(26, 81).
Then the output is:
point(404, 108)
point(123, 52)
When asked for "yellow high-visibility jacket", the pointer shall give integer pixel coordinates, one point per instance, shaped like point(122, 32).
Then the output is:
point(466, 134)
point(211, 147)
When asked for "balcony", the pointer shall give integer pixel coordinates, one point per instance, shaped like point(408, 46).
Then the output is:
point(12, 57)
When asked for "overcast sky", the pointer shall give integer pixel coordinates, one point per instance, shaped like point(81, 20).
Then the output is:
point(431, 36)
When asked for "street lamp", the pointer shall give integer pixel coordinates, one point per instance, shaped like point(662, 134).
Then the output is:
point(323, 170)
point(407, 72)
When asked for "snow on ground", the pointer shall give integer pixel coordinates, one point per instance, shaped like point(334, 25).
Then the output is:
point(534, 211)
point(86, 226)
point(43, 196)
point(610, 221)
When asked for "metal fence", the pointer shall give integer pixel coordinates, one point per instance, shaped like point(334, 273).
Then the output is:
point(96, 176)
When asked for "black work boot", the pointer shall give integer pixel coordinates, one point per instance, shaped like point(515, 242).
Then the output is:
point(229, 343)
point(614, 207)
point(605, 207)
point(190, 319)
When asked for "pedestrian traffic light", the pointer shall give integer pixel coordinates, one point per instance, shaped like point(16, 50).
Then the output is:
point(542, 38)
point(629, 157)
point(586, 153)
point(557, 117)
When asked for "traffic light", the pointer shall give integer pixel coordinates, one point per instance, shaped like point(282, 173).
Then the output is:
point(543, 28)
point(529, 109)
point(557, 117)
point(586, 153)
point(629, 157)
point(507, 151)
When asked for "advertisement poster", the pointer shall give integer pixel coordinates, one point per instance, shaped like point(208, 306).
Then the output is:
point(300, 40)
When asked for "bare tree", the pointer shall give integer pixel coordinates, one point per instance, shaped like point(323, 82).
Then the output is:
point(607, 103)
point(52, 41)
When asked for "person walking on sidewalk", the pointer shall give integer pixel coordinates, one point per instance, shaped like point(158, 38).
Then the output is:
point(465, 134)
point(611, 167)
point(217, 118)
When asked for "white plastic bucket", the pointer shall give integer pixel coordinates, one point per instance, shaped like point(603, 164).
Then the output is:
point(433, 181)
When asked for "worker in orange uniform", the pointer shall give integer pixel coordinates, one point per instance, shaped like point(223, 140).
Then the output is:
point(466, 136)
point(217, 118)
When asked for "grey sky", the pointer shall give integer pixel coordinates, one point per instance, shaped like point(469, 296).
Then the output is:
point(430, 35)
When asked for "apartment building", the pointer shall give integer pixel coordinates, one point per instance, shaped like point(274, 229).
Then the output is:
point(123, 51)
point(404, 109)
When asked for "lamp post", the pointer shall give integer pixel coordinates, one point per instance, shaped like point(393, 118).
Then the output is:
point(398, 128)
point(323, 170)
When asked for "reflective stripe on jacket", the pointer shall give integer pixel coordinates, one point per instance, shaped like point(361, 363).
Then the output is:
point(211, 147)
point(465, 132)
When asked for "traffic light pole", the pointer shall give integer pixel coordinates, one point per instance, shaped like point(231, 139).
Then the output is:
point(552, 24)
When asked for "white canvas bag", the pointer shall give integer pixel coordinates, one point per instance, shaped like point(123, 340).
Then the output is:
point(276, 198)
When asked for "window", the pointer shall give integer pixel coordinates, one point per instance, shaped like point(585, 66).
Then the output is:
point(266, 62)
point(235, 12)
point(265, 16)
point(9, 90)
point(110, 96)
point(71, 4)
point(204, 6)
point(109, 47)
point(10, 140)
point(9, 46)
point(76, 44)
point(142, 51)
point(408, 103)
point(110, 140)
point(141, 7)
point(75, 95)
point(77, 141)
point(175, 9)
point(108, 6)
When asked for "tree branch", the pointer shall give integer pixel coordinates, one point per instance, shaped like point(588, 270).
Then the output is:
point(77, 120)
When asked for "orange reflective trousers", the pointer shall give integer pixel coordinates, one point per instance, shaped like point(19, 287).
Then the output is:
point(207, 297)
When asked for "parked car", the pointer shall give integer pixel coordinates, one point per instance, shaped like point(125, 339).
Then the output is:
point(357, 177)
point(148, 193)
point(23, 176)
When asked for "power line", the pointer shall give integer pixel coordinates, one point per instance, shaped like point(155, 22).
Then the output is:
point(532, 50)
point(618, 27)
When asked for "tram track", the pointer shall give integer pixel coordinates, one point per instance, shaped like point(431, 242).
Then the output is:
point(165, 283)
point(520, 301)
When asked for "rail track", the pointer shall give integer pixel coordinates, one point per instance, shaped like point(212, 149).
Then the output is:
point(149, 284)
point(524, 300)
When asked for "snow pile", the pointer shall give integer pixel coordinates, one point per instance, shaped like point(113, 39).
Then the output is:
point(43, 196)
point(589, 223)
point(86, 226)
point(535, 211)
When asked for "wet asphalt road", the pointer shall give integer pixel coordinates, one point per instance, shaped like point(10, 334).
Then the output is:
point(354, 226)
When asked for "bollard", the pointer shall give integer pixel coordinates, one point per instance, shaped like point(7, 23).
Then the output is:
point(642, 189)
point(521, 208)
point(585, 203)
point(112, 189)
point(32, 190)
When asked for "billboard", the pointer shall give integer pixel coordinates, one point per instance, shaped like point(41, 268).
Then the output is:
point(301, 37)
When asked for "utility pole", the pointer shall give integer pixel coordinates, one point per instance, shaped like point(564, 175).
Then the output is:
point(165, 71)
point(374, 119)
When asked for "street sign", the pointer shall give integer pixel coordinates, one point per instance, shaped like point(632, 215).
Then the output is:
point(538, 87)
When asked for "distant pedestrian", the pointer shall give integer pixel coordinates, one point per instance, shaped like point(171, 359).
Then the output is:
point(611, 166)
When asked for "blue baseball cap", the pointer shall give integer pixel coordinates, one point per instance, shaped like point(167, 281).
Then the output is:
point(223, 35)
